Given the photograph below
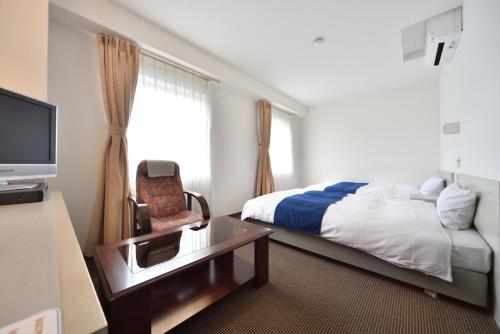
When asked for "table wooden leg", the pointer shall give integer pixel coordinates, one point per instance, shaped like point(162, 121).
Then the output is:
point(130, 313)
point(261, 261)
point(224, 267)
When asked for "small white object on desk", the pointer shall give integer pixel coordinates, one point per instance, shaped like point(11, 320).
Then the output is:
point(45, 322)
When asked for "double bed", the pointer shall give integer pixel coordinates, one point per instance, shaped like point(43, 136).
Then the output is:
point(393, 231)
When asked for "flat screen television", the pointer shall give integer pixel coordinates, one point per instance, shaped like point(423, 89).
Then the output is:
point(28, 139)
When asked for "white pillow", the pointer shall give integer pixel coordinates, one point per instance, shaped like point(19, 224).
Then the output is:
point(432, 186)
point(456, 206)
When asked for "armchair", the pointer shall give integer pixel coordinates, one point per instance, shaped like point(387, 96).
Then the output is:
point(161, 202)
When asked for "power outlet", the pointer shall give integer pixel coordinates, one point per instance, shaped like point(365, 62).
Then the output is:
point(459, 162)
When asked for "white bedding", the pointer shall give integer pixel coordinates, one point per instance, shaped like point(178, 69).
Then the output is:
point(263, 207)
point(403, 232)
point(403, 191)
point(381, 220)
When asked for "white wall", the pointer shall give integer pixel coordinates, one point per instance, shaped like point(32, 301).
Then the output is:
point(234, 149)
point(23, 40)
point(391, 136)
point(75, 87)
point(470, 94)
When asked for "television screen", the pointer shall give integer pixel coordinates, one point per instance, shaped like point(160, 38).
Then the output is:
point(26, 130)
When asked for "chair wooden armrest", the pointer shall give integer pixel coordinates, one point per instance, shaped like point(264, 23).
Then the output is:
point(203, 203)
point(141, 215)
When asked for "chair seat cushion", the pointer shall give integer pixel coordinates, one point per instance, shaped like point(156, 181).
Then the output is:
point(184, 217)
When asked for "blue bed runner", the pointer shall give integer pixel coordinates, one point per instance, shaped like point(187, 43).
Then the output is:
point(345, 187)
point(304, 212)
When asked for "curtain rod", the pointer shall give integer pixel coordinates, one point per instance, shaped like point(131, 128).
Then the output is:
point(200, 75)
point(283, 109)
point(176, 65)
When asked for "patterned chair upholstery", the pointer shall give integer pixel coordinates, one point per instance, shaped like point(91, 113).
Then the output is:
point(160, 204)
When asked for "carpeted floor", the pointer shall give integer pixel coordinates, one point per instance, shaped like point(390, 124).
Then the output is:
point(310, 294)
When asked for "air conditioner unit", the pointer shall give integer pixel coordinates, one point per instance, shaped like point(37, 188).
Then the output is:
point(443, 34)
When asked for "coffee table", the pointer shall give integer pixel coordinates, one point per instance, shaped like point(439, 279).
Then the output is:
point(154, 282)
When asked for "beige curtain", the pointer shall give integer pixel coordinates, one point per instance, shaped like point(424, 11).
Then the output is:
point(265, 182)
point(119, 67)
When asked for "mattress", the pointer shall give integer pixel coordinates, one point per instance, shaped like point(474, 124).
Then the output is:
point(469, 250)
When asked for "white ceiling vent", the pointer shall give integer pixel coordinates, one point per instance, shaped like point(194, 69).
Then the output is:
point(436, 39)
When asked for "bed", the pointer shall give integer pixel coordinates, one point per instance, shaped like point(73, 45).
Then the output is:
point(469, 267)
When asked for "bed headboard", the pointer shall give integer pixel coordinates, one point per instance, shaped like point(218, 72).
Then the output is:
point(487, 223)
point(487, 218)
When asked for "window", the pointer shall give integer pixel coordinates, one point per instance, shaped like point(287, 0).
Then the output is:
point(281, 150)
point(171, 121)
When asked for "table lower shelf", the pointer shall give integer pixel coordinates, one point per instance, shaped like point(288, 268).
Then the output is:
point(187, 293)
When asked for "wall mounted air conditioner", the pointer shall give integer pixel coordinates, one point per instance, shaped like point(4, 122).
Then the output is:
point(443, 34)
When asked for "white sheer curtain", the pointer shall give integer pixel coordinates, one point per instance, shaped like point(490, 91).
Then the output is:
point(171, 121)
point(281, 150)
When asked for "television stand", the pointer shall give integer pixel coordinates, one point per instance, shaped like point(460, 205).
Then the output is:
point(5, 186)
point(21, 193)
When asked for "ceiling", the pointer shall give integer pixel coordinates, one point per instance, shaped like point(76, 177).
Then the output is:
point(272, 40)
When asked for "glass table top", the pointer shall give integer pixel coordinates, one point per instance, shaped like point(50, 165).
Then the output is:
point(145, 254)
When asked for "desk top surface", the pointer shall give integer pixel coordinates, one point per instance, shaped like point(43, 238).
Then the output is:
point(42, 267)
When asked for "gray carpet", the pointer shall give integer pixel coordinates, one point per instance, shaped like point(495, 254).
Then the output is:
point(310, 294)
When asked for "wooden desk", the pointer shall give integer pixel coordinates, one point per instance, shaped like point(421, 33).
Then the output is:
point(154, 282)
point(42, 266)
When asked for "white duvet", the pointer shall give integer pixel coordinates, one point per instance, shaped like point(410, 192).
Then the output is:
point(380, 220)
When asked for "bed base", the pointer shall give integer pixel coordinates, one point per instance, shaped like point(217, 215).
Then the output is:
point(469, 286)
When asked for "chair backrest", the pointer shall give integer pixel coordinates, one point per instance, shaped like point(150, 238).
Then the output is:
point(164, 195)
